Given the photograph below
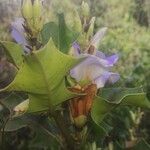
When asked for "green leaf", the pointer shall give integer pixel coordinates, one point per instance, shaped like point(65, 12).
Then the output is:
point(116, 95)
point(14, 124)
point(66, 37)
point(61, 35)
point(126, 96)
point(102, 130)
point(14, 53)
point(42, 76)
point(50, 30)
point(12, 100)
point(43, 139)
point(102, 107)
point(138, 100)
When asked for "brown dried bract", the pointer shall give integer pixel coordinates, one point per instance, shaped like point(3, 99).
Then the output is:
point(82, 105)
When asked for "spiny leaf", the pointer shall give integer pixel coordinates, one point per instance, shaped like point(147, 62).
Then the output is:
point(138, 100)
point(102, 107)
point(116, 95)
point(66, 37)
point(61, 35)
point(42, 76)
point(126, 96)
point(14, 53)
point(50, 30)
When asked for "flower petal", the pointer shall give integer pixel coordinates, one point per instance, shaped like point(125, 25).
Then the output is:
point(100, 54)
point(114, 77)
point(101, 80)
point(112, 59)
point(98, 37)
point(89, 69)
point(75, 50)
point(18, 33)
point(76, 46)
point(17, 36)
point(106, 77)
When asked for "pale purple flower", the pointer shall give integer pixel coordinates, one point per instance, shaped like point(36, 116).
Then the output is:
point(96, 67)
point(18, 33)
point(98, 37)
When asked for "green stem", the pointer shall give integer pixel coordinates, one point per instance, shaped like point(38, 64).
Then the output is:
point(70, 143)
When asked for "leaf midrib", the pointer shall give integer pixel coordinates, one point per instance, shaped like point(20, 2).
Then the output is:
point(48, 89)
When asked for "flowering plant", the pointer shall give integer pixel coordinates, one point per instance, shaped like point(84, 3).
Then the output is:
point(61, 80)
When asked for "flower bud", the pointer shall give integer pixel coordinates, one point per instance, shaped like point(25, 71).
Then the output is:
point(83, 41)
point(37, 9)
point(91, 28)
point(27, 9)
point(73, 21)
point(77, 22)
point(22, 107)
point(80, 121)
point(85, 10)
point(32, 13)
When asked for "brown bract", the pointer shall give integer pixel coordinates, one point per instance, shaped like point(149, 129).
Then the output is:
point(82, 105)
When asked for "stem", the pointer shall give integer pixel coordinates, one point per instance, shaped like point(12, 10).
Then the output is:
point(70, 143)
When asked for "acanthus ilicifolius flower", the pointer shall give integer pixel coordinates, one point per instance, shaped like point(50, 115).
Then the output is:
point(95, 72)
